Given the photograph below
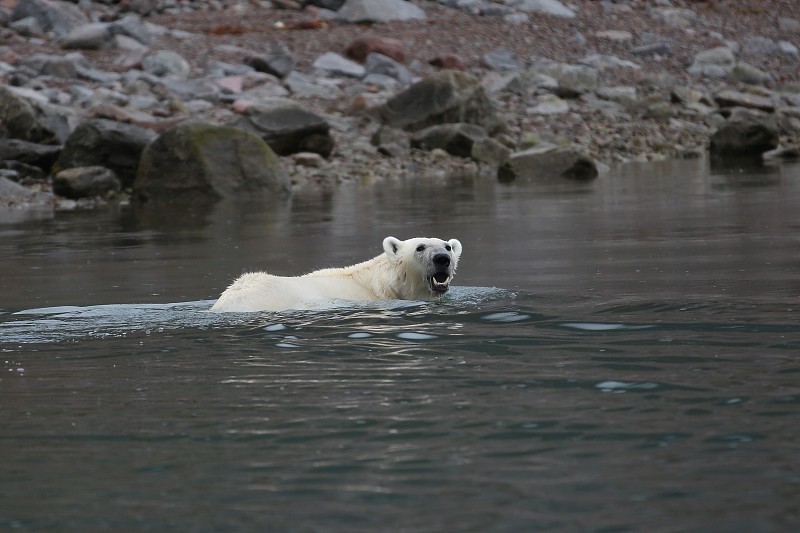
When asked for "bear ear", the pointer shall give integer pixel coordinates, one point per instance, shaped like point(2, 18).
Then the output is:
point(392, 246)
point(455, 244)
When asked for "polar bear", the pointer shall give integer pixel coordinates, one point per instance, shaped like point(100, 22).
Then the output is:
point(415, 269)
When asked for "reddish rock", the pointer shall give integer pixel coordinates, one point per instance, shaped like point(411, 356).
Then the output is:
point(360, 48)
point(231, 83)
point(448, 61)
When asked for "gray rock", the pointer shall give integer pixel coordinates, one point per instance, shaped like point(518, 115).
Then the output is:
point(517, 18)
point(502, 59)
point(201, 162)
point(52, 65)
point(308, 159)
point(12, 192)
point(445, 97)
point(455, 139)
point(514, 82)
point(578, 40)
point(25, 115)
point(58, 17)
point(549, 104)
point(380, 64)
point(783, 153)
point(358, 11)
point(693, 99)
point(490, 151)
point(192, 89)
point(548, 7)
point(22, 172)
point(40, 155)
point(759, 46)
point(651, 49)
point(303, 86)
point(604, 61)
point(278, 62)
point(659, 111)
point(788, 48)
point(85, 182)
point(288, 128)
point(747, 73)
point(128, 45)
point(573, 80)
point(107, 143)
point(380, 80)
point(133, 27)
point(338, 65)
point(731, 98)
point(622, 95)
point(619, 36)
point(332, 5)
point(27, 27)
point(675, 17)
point(746, 133)
point(542, 81)
point(789, 25)
point(549, 162)
point(92, 36)
point(715, 63)
point(391, 142)
point(166, 63)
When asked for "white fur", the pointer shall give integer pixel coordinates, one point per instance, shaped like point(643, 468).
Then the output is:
point(401, 272)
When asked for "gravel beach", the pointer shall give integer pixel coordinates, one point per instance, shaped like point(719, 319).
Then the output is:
point(651, 95)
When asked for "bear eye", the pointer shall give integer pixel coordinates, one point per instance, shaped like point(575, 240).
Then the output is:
point(448, 248)
point(421, 247)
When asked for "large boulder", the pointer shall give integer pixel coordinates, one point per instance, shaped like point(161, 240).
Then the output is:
point(107, 143)
point(288, 128)
point(198, 161)
point(746, 133)
point(549, 162)
point(25, 115)
point(445, 97)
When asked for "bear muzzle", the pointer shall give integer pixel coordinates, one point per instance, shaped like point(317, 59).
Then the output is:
point(439, 281)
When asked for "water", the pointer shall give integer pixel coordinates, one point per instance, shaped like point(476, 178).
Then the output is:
point(621, 356)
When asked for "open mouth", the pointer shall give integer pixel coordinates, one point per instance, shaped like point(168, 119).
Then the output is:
point(439, 282)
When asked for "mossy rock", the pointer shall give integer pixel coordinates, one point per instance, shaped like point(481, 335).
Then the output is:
point(195, 161)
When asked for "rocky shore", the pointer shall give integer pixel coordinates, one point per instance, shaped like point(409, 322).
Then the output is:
point(171, 100)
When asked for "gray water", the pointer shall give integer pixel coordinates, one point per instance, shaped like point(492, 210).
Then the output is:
point(617, 356)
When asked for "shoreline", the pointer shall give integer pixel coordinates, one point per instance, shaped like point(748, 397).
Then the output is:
point(621, 81)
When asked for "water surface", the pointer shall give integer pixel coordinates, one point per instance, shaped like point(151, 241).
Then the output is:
point(621, 356)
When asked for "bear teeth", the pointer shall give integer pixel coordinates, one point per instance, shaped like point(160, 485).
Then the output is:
point(440, 285)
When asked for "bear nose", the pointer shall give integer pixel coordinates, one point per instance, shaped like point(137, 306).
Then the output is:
point(441, 260)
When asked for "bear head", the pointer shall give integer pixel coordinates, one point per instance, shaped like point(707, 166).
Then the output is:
point(427, 265)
